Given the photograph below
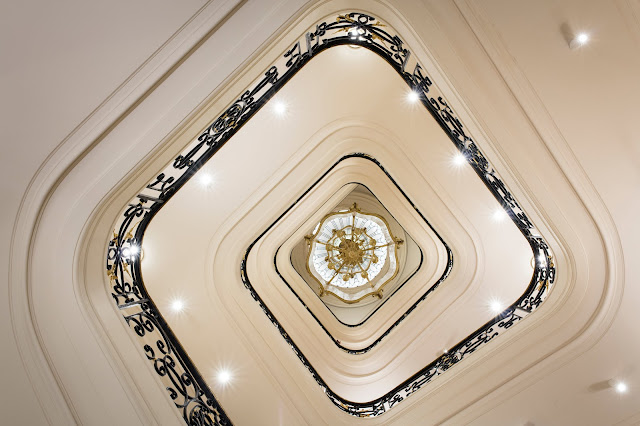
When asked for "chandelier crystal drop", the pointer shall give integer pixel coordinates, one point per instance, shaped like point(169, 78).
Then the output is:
point(352, 254)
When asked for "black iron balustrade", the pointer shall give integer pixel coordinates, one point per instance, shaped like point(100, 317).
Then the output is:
point(184, 383)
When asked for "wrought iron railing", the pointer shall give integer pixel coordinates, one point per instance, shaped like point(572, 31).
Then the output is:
point(184, 383)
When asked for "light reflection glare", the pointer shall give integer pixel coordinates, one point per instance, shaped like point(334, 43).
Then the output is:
point(413, 96)
point(131, 251)
point(499, 215)
point(621, 387)
point(280, 108)
point(224, 377)
point(496, 306)
point(206, 180)
point(579, 40)
point(177, 305)
point(459, 159)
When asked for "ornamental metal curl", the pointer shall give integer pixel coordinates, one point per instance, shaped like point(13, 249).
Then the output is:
point(186, 387)
point(184, 383)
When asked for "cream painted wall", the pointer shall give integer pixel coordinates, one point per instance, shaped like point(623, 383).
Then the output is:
point(60, 60)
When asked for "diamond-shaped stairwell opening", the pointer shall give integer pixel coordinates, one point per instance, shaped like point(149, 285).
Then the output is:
point(146, 320)
point(411, 258)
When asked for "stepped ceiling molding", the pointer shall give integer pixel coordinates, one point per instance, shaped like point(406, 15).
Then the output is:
point(246, 123)
point(222, 228)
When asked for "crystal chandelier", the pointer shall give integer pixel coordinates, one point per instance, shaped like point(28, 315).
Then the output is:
point(352, 254)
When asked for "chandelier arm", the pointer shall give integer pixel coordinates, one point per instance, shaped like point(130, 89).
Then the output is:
point(337, 272)
point(384, 245)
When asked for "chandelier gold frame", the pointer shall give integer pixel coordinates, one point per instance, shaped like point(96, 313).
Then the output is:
point(351, 252)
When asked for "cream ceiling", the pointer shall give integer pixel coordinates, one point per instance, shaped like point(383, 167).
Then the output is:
point(557, 123)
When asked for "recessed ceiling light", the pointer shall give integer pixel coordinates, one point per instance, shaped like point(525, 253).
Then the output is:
point(496, 306)
point(459, 159)
point(177, 305)
point(579, 40)
point(206, 180)
point(280, 108)
point(224, 377)
point(499, 214)
point(413, 96)
point(621, 387)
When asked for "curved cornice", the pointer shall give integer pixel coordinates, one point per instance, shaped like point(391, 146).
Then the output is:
point(434, 281)
point(362, 137)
